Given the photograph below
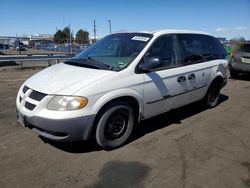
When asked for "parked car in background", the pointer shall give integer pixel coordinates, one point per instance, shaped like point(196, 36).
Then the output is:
point(240, 60)
point(4, 46)
point(120, 80)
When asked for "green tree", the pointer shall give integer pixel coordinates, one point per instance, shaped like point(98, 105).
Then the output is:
point(67, 33)
point(82, 37)
point(59, 37)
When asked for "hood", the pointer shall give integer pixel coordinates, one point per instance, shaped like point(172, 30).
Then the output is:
point(63, 79)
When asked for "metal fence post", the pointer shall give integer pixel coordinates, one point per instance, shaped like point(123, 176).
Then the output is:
point(21, 64)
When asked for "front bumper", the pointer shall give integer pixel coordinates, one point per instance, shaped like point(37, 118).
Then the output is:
point(243, 67)
point(70, 129)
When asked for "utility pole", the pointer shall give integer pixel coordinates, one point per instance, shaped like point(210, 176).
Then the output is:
point(70, 40)
point(18, 44)
point(94, 31)
point(21, 62)
point(109, 21)
point(63, 21)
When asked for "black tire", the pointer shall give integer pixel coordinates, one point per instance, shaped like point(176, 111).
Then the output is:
point(114, 125)
point(212, 96)
point(234, 74)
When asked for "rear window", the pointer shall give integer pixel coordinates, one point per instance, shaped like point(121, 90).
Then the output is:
point(245, 48)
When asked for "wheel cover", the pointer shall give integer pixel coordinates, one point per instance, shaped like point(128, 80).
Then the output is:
point(116, 124)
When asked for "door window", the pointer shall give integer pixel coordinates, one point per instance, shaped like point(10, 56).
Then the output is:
point(217, 50)
point(193, 47)
point(197, 48)
point(163, 48)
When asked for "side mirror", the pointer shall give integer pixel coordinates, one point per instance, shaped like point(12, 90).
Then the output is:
point(151, 63)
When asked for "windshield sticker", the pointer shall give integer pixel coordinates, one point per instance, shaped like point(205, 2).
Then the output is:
point(144, 39)
point(121, 64)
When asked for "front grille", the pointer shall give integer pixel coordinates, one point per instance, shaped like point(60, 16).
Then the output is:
point(35, 95)
point(29, 106)
point(28, 93)
point(25, 88)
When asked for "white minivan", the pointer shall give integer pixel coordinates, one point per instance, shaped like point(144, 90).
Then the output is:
point(122, 79)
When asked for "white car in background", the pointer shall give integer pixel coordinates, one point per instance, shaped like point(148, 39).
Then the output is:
point(120, 80)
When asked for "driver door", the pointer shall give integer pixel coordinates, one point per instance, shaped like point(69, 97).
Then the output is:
point(166, 87)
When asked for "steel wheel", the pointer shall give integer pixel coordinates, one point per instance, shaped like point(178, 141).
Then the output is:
point(115, 125)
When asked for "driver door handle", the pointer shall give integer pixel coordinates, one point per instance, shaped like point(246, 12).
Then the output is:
point(181, 79)
point(191, 76)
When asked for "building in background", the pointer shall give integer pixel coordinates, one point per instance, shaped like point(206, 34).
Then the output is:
point(29, 40)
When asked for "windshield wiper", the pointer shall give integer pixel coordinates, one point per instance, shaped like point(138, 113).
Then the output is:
point(80, 63)
point(108, 67)
point(90, 63)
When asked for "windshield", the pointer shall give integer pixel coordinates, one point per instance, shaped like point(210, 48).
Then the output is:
point(116, 50)
point(245, 48)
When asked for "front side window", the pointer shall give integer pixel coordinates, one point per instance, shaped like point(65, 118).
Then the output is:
point(115, 51)
point(163, 48)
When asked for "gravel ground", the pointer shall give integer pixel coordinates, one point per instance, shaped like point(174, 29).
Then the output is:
point(190, 147)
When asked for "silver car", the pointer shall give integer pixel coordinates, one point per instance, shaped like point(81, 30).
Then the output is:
point(240, 61)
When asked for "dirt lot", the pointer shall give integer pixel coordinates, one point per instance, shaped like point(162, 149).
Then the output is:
point(190, 147)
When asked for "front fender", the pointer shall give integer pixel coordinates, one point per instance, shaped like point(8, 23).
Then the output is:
point(125, 92)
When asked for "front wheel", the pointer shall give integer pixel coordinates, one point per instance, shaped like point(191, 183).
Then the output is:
point(212, 97)
point(115, 125)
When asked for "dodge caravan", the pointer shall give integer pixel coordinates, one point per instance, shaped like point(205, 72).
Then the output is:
point(120, 80)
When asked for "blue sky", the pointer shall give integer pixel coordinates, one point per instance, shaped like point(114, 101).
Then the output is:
point(229, 18)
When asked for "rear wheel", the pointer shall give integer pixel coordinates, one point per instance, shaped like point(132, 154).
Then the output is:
point(115, 125)
point(213, 94)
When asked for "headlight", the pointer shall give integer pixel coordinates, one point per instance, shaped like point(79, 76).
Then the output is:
point(66, 103)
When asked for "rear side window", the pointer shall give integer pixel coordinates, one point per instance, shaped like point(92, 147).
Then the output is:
point(217, 49)
point(196, 48)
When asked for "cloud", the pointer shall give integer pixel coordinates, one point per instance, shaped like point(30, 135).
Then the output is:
point(220, 29)
point(240, 28)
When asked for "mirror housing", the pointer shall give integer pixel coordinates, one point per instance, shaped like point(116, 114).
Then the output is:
point(151, 63)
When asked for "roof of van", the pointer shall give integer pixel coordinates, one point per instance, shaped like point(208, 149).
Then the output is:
point(165, 31)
